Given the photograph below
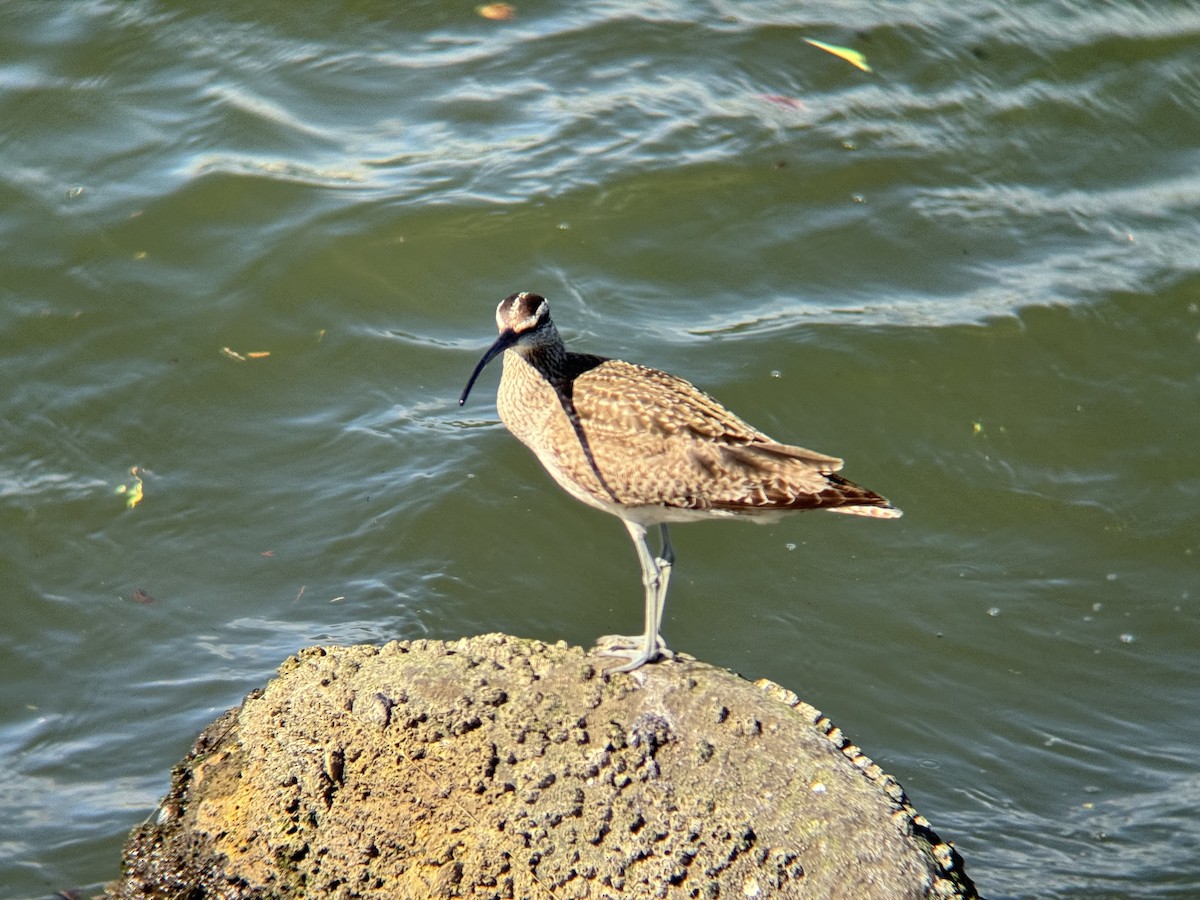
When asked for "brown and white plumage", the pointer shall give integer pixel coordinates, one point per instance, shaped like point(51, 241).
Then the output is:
point(649, 448)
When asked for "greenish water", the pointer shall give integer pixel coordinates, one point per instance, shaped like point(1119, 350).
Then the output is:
point(973, 273)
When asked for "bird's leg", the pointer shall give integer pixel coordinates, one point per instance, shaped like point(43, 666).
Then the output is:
point(663, 565)
point(665, 561)
point(646, 647)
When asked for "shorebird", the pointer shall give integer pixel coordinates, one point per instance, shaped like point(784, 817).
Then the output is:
point(650, 449)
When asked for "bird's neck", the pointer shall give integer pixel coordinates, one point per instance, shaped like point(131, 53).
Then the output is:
point(548, 356)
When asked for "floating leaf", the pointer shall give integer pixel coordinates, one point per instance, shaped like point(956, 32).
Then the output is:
point(249, 354)
point(132, 492)
point(782, 100)
point(851, 56)
point(140, 596)
point(497, 11)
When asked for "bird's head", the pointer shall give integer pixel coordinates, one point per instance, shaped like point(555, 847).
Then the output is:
point(523, 320)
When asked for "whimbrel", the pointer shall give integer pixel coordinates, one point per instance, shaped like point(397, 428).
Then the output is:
point(650, 449)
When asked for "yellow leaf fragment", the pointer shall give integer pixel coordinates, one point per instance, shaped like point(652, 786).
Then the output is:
point(853, 57)
point(497, 11)
point(976, 427)
point(258, 354)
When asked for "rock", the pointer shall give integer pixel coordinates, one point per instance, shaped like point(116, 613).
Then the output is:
point(494, 767)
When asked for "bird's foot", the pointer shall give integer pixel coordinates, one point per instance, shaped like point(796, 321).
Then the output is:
point(609, 643)
point(632, 648)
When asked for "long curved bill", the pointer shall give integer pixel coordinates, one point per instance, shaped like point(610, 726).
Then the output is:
point(507, 338)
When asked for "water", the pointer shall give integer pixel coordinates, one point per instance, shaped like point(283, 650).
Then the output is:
point(973, 273)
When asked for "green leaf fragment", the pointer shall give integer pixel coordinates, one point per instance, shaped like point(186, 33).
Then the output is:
point(859, 60)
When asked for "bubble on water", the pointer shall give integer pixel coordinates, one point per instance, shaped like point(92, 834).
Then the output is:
point(775, 373)
point(1111, 576)
point(994, 611)
point(1126, 638)
point(790, 546)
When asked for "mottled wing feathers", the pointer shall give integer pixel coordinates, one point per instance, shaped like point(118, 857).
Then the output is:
point(624, 398)
point(657, 439)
